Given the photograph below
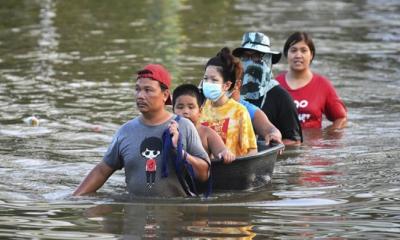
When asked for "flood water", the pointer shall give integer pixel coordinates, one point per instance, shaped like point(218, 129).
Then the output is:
point(72, 64)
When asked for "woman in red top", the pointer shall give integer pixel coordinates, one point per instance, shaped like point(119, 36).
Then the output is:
point(313, 94)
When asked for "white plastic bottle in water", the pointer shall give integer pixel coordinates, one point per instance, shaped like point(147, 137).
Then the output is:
point(32, 121)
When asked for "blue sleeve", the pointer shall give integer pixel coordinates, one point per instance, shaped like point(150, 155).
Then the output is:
point(251, 108)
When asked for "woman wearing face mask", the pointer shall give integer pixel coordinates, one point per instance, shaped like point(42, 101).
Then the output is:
point(229, 118)
point(313, 94)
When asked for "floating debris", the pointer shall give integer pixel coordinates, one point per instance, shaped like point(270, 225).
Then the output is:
point(97, 128)
point(32, 121)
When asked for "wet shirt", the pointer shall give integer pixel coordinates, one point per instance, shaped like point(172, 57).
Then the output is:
point(313, 100)
point(281, 112)
point(232, 122)
point(138, 148)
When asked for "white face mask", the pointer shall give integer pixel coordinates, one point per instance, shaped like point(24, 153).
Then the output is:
point(212, 91)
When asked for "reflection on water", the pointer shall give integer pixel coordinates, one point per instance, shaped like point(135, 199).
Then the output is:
point(47, 44)
point(72, 65)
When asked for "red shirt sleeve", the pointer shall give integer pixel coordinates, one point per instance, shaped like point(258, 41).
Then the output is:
point(334, 106)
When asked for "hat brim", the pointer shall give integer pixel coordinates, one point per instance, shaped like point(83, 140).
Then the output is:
point(276, 56)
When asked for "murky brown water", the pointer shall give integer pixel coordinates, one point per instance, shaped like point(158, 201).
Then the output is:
point(71, 64)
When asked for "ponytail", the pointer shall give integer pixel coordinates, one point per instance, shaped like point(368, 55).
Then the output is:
point(228, 65)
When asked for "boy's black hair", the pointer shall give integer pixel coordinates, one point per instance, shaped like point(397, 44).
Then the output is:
point(190, 90)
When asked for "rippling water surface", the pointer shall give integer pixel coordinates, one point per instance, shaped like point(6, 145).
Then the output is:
point(71, 64)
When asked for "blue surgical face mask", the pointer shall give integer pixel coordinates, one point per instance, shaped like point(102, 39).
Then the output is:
point(212, 91)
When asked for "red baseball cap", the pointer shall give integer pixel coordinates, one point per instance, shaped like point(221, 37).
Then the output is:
point(158, 73)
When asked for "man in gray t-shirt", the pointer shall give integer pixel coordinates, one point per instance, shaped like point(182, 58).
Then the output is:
point(138, 145)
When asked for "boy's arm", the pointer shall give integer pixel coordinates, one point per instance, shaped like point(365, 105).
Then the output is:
point(200, 166)
point(218, 148)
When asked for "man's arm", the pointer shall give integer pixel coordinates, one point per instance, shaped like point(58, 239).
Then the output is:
point(95, 179)
point(263, 127)
point(200, 166)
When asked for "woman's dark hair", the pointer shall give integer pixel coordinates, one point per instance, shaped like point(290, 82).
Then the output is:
point(187, 90)
point(228, 65)
point(298, 37)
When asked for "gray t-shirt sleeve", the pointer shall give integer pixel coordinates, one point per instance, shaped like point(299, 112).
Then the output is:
point(112, 157)
point(193, 142)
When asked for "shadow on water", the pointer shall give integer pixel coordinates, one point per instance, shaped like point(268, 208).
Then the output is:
point(105, 215)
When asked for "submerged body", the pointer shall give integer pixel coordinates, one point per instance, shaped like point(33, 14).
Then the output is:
point(313, 94)
point(133, 151)
point(316, 98)
point(260, 89)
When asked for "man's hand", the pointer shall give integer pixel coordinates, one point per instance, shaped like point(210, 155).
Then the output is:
point(275, 138)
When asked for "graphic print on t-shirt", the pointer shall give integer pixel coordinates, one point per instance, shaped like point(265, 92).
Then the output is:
point(221, 127)
point(303, 117)
point(150, 148)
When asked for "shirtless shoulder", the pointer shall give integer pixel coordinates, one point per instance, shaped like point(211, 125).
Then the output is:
point(207, 132)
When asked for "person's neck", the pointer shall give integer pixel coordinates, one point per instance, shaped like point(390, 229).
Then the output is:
point(221, 101)
point(155, 118)
point(298, 79)
point(197, 125)
point(236, 95)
